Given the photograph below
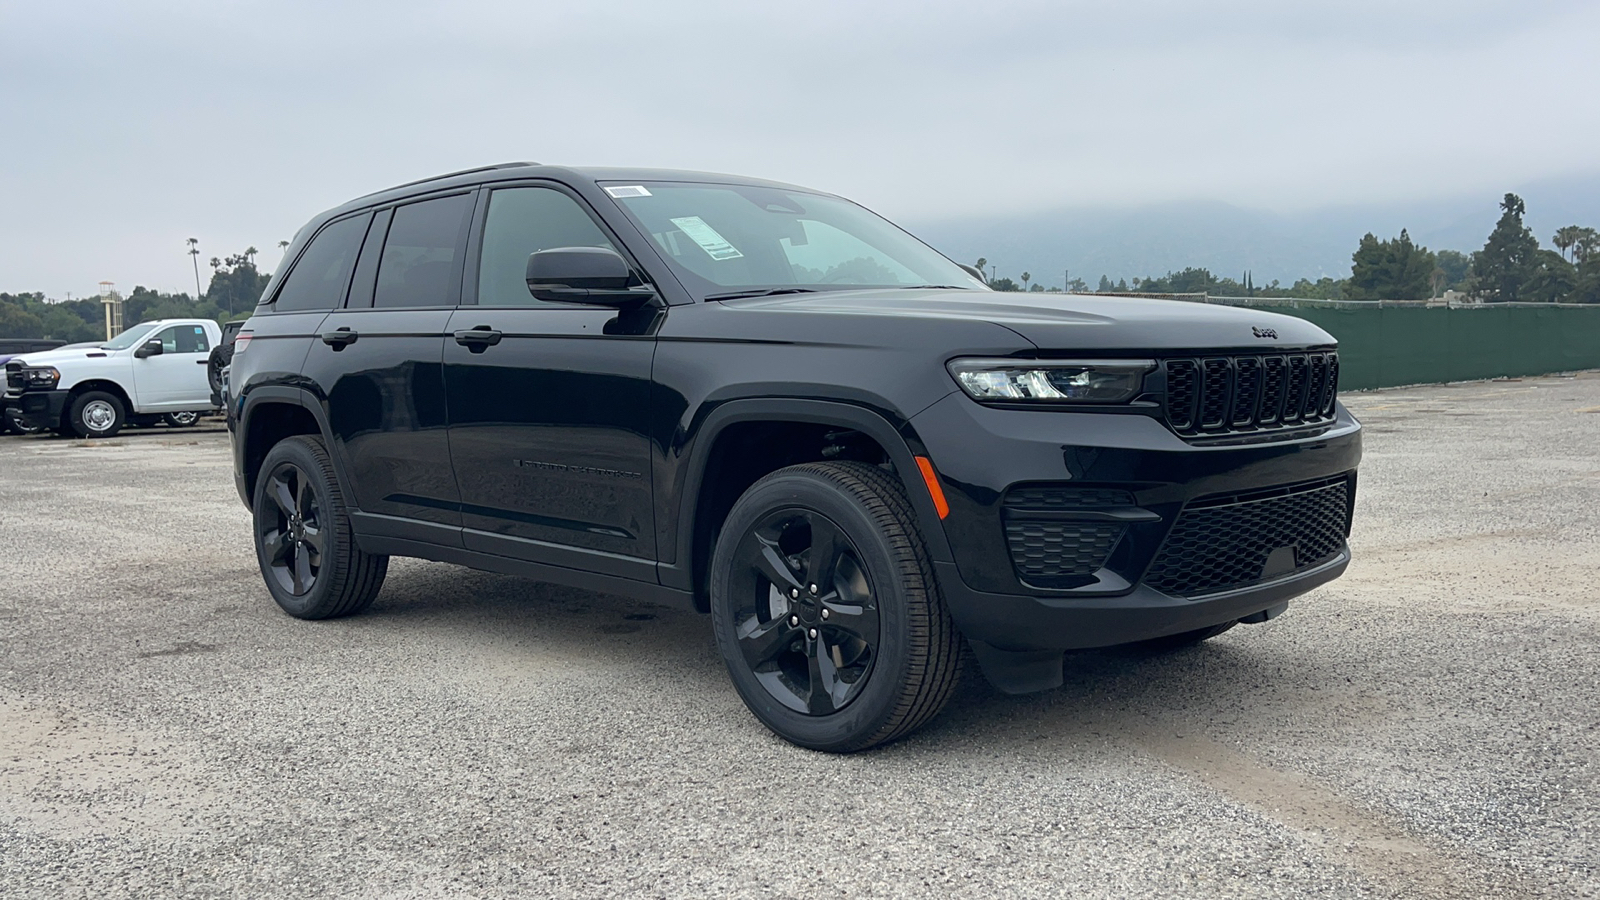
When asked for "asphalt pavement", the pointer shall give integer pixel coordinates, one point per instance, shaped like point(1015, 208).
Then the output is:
point(1427, 726)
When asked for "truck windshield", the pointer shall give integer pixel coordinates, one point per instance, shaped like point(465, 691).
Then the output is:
point(727, 239)
point(130, 337)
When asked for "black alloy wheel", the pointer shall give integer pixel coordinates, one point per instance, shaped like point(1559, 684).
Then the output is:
point(290, 532)
point(808, 621)
point(826, 609)
point(306, 549)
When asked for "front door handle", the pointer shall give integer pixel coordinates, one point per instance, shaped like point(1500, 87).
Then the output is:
point(202, 362)
point(339, 338)
point(478, 338)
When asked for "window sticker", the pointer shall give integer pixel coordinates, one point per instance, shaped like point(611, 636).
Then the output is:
point(707, 237)
point(627, 191)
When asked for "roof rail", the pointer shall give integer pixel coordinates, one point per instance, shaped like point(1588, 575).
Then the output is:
point(471, 171)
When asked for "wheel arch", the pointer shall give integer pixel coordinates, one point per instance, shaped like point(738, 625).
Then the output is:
point(270, 414)
point(97, 384)
point(705, 499)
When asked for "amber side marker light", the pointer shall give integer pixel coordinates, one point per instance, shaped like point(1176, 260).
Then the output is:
point(931, 479)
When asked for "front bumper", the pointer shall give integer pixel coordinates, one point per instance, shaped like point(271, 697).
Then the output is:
point(41, 409)
point(982, 452)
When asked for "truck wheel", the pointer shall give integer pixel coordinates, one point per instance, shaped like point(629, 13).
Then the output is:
point(14, 423)
point(307, 552)
point(181, 419)
point(97, 414)
point(826, 609)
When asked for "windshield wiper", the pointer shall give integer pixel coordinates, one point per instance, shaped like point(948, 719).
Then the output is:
point(759, 292)
point(933, 287)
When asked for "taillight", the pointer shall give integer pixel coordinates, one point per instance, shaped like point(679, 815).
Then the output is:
point(241, 342)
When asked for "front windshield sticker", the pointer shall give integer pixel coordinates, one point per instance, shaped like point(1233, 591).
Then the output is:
point(626, 191)
point(712, 243)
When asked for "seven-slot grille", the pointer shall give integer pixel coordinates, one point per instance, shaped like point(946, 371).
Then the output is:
point(1219, 395)
point(1222, 543)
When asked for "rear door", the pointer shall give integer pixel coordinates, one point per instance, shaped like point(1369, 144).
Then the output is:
point(547, 424)
point(378, 371)
point(172, 379)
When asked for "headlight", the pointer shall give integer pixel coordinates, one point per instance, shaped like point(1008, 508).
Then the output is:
point(42, 378)
point(1051, 381)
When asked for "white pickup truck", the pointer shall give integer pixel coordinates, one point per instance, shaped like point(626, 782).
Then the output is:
point(151, 372)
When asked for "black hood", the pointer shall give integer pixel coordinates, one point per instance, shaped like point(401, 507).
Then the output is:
point(1073, 322)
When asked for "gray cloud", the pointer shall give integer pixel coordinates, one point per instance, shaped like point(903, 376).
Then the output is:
point(132, 126)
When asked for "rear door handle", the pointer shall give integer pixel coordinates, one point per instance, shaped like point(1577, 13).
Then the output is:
point(478, 339)
point(202, 362)
point(339, 338)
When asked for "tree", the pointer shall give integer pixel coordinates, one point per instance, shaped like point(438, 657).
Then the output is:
point(1105, 286)
point(194, 257)
point(1551, 280)
point(235, 281)
point(1005, 284)
point(1025, 277)
point(1452, 267)
point(1566, 238)
point(1390, 270)
point(1507, 259)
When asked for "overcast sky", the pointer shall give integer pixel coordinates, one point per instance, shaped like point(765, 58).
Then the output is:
point(126, 127)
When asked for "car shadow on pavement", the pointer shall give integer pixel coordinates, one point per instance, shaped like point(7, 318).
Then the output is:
point(1118, 691)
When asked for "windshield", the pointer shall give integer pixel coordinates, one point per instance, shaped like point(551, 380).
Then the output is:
point(723, 239)
point(130, 337)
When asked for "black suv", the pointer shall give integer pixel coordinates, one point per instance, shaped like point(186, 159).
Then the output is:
point(769, 404)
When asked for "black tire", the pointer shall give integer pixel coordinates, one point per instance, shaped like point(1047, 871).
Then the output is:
point(786, 647)
point(97, 414)
point(181, 419)
point(304, 545)
point(13, 423)
point(1184, 639)
point(218, 360)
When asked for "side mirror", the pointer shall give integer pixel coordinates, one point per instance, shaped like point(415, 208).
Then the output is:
point(149, 348)
point(593, 275)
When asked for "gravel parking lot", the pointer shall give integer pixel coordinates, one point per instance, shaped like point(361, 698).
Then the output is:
point(1428, 726)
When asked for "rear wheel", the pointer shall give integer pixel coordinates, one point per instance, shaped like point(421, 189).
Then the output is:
point(826, 611)
point(304, 544)
point(181, 419)
point(97, 414)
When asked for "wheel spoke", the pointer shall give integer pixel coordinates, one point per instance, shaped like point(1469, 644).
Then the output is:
point(301, 572)
point(824, 553)
point(316, 541)
point(860, 621)
point(305, 497)
point(277, 545)
point(773, 567)
point(762, 641)
point(282, 494)
point(824, 678)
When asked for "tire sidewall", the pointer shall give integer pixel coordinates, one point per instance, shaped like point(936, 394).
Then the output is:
point(295, 452)
point(875, 704)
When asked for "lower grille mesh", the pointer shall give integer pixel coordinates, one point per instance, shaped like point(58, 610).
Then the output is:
point(1060, 549)
point(1225, 543)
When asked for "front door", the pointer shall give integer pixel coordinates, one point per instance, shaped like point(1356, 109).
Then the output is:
point(547, 423)
point(175, 378)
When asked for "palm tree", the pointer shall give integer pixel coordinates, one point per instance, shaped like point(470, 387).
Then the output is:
point(250, 254)
point(194, 256)
point(1025, 277)
point(1567, 238)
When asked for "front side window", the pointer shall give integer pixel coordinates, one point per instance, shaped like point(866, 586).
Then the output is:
point(128, 338)
point(321, 275)
point(420, 253)
point(523, 221)
point(184, 339)
point(721, 238)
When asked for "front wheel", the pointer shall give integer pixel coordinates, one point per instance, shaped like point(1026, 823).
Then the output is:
point(13, 423)
point(826, 609)
point(181, 419)
point(97, 414)
point(304, 543)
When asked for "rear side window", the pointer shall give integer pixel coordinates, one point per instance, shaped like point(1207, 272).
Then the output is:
point(319, 279)
point(421, 252)
point(523, 221)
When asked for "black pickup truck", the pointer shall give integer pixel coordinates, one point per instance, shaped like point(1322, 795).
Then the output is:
point(771, 405)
